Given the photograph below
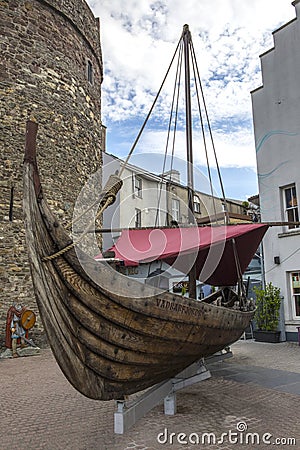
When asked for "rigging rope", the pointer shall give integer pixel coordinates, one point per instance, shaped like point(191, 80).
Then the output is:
point(109, 193)
point(112, 187)
point(177, 83)
point(176, 87)
point(211, 136)
point(150, 111)
point(204, 139)
point(241, 286)
point(107, 197)
point(70, 246)
point(137, 138)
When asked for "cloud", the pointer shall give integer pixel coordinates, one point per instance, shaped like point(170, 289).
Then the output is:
point(233, 149)
point(138, 39)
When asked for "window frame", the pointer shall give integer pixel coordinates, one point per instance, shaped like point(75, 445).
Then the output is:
point(137, 218)
point(176, 210)
point(295, 309)
point(197, 204)
point(293, 208)
point(138, 186)
point(89, 71)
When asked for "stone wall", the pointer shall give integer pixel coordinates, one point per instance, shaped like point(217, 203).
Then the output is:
point(46, 48)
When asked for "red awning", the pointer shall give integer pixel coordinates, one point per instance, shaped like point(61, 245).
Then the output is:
point(221, 253)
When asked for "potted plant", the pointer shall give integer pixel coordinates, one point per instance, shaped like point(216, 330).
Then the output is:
point(268, 302)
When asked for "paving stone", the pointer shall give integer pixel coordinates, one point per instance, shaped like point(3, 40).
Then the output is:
point(50, 414)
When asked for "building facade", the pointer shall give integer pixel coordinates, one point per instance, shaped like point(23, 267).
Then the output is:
point(276, 112)
point(204, 205)
point(50, 71)
point(141, 202)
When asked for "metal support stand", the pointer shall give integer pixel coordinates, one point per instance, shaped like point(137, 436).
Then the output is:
point(128, 413)
point(170, 404)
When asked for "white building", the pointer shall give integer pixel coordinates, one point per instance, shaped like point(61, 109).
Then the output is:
point(142, 201)
point(276, 117)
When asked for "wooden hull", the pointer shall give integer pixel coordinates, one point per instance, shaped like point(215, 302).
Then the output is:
point(110, 345)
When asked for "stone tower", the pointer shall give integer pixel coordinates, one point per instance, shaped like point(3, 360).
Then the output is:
point(50, 69)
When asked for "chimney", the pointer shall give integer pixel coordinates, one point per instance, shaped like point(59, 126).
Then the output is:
point(173, 175)
point(296, 4)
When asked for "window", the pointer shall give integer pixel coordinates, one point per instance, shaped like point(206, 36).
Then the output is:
point(291, 205)
point(296, 292)
point(197, 204)
point(11, 204)
point(89, 72)
point(138, 184)
point(138, 218)
point(175, 209)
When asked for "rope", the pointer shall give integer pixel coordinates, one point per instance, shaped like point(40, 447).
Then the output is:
point(112, 187)
point(108, 202)
point(175, 98)
point(177, 77)
point(149, 113)
point(109, 193)
point(236, 259)
point(241, 287)
point(204, 136)
point(211, 137)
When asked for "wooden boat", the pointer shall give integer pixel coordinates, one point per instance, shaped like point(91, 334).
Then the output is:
point(112, 336)
point(111, 345)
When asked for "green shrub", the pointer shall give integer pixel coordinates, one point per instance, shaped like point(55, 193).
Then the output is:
point(268, 305)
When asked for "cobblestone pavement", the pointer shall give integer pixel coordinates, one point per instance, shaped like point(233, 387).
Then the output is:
point(41, 410)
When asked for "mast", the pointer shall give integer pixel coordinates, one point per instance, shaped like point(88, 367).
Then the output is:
point(189, 146)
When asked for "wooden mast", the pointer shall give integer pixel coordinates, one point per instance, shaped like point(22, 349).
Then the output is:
point(189, 147)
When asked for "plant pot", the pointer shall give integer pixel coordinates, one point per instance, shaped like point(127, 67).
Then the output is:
point(267, 336)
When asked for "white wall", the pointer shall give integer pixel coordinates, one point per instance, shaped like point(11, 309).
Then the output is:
point(147, 203)
point(276, 116)
point(122, 213)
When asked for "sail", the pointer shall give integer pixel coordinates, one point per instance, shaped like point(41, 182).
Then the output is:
point(221, 253)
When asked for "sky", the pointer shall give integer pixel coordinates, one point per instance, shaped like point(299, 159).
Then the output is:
point(138, 40)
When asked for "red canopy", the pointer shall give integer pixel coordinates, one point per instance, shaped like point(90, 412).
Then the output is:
point(221, 253)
